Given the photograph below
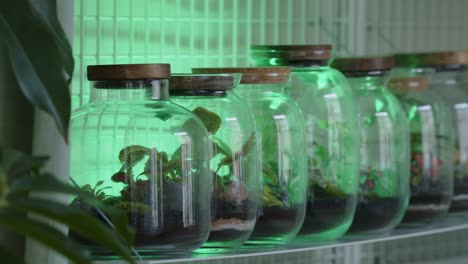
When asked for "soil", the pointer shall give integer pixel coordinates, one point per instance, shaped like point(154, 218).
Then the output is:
point(425, 207)
point(375, 214)
point(275, 222)
point(326, 213)
point(460, 196)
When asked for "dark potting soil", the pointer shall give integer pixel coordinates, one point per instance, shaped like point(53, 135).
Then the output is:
point(375, 214)
point(324, 214)
point(460, 196)
point(275, 221)
point(426, 207)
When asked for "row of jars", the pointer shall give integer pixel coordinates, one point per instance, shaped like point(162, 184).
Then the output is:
point(295, 152)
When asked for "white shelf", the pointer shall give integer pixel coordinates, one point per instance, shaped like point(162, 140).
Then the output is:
point(452, 222)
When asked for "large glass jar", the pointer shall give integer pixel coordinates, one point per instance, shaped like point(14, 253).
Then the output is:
point(431, 147)
point(284, 162)
point(138, 152)
point(385, 157)
point(328, 105)
point(444, 69)
point(234, 164)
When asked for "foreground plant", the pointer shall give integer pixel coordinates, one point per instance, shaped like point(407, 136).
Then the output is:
point(20, 177)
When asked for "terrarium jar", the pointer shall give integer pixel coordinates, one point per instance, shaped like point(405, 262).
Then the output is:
point(431, 148)
point(137, 152)
point(445, 69)
point(234, 165)
point(332, 134)
point(385, 157)
point(281, 129)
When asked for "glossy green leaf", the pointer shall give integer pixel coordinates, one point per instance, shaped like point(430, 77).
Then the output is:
point(43, 233)
point(78, 221)
point(37, 60)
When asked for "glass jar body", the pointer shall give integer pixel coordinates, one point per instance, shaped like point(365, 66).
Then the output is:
point(141, 154)
point(431, 147)
point(385, 157)
point(281, 128)
point(447, 84)
point(234, 165)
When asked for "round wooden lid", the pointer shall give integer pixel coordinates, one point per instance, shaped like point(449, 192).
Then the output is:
point(213, 82)
point(432, 58)
point(253, 75)
point(363, 64)
point(403, 84)
point(294, 52)
point(129, 72)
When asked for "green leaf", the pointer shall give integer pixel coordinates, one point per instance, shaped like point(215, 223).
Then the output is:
point(15, 163)
point(43, 233)
point(9, 257)
point(37, 60)
point(79, 221)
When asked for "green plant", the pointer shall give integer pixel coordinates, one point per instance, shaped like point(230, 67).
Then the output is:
point(21, 176)
point(42, 62)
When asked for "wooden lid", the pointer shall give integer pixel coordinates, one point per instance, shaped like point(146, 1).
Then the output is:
point(432, 58)
point(213, 82)
point(363, 64)
point(294, 52)
point(253, 75)
point(129, 72)
point(402, 84)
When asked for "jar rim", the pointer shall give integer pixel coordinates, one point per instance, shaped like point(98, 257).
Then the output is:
point(436, 58)
point(121, 72)
point(294, 52)
point(253, 75)
point(363, 64)
point(211, 82)
point(403, 84)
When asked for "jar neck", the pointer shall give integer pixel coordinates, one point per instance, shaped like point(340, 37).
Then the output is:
point(368, 82)
point(260, 88)
point(130, 90)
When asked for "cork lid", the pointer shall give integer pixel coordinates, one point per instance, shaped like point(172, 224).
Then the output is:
point(404, 84)
point(128, 72)
point(212, 82)
point(439, 58)
point(253, 75)
point(293, 52)
point(363, 64)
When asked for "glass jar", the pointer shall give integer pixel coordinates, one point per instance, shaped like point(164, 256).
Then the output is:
point(234, 164)
point(431, 148)
point(281, 128)
point(138, 152)
point(444, 69)
point(385, 157)
point(328, 105)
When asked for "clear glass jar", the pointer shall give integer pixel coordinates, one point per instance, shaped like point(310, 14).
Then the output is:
point(138, 152)
point(431, 146)
point(385, 157)
point(328, 105)
point(444, 69)
point(234, 164)
point(281, 128)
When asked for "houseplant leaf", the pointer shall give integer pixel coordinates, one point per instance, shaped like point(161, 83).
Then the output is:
point(78, 221)
point(43, 233)
point(9, 257)
point(36, 58)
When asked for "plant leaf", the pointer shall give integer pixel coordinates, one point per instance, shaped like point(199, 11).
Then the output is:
point(37, 60)
point(79, 221)
point(9, 257)
point(43, 233)
point(15, 162)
